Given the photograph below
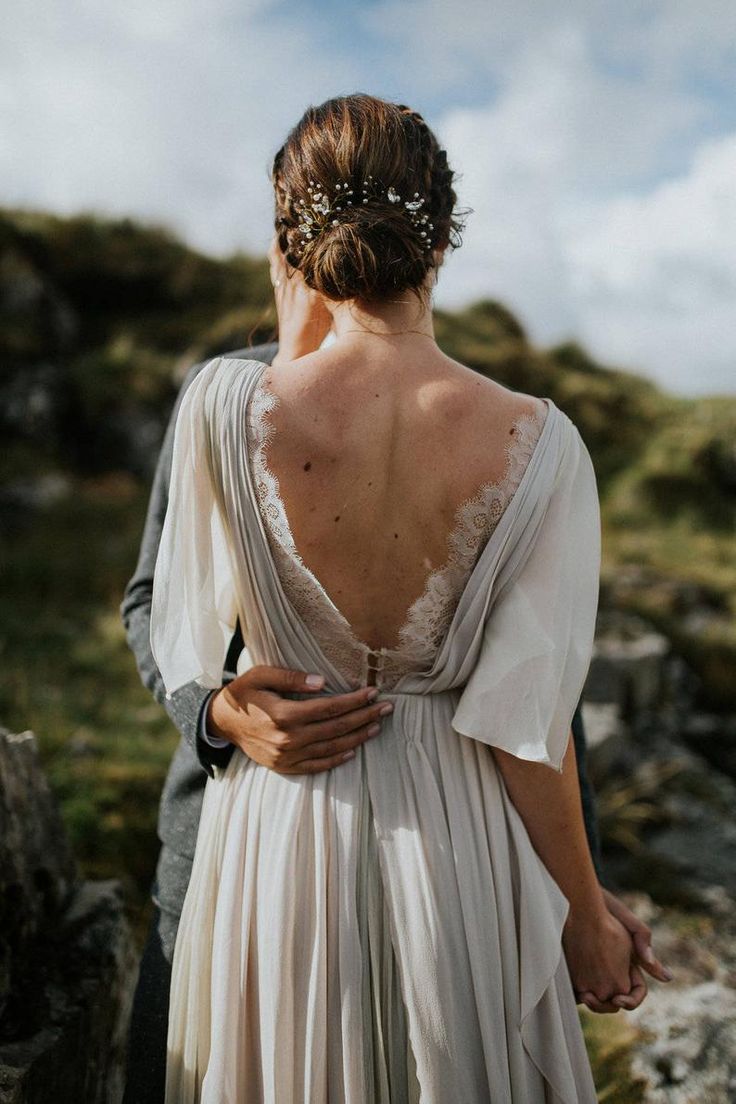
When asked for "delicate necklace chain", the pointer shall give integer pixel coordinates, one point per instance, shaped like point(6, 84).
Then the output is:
point(390, 333)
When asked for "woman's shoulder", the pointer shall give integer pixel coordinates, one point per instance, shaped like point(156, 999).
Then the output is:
point(480, 399)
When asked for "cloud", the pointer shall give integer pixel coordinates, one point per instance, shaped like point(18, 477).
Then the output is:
point(171, 112)
point(654, 275)
point(569, 230)
point(594, 142)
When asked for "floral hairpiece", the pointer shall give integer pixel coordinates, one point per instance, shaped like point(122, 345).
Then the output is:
point(320, 211)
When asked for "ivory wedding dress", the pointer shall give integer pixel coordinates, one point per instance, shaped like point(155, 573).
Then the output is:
point(383, 932)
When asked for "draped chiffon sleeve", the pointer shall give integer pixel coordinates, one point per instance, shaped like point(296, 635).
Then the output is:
point(194, 608)
point(538, 636)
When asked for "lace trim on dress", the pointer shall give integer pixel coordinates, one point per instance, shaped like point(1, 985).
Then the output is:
point(430, 615)
point(303, 589)
point(475, 519)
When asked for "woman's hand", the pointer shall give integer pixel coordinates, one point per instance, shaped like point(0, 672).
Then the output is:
point(304, 320)
point(641, 937)
point(600, 959)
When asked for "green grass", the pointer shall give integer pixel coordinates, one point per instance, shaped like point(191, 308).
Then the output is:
point(610, 1039)
point(137, 303)
point(680, 569)
point(68, 675)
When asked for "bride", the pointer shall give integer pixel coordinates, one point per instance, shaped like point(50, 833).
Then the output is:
point(408, 912)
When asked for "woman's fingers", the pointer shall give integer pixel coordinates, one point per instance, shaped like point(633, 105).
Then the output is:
point(591, 1001)
point(627, 1001)
point(636, 994)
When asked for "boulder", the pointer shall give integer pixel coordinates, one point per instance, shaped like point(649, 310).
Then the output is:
point(686, 1029)
point(67, 959)
point(629, 666)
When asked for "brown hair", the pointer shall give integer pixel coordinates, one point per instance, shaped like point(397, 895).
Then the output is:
point(372, 251)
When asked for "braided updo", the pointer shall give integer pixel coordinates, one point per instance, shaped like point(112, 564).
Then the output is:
point(371, 250)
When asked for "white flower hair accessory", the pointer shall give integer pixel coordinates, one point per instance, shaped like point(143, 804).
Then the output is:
point(321, 210)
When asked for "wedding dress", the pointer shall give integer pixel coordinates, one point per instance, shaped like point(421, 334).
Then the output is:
point(383, 932)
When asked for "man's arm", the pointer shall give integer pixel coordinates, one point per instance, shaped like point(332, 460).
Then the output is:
point(187, 704)
point(587, 796)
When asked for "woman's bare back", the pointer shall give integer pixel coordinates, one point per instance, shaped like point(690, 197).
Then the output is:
point(374, 453)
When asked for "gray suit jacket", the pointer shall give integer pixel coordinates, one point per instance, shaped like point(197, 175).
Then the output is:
point(181, 800)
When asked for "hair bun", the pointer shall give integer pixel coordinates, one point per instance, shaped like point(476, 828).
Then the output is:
point(370, 254)
point(339, 180)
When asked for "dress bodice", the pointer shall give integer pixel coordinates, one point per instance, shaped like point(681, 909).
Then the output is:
point(430, 615)
point(386, 922)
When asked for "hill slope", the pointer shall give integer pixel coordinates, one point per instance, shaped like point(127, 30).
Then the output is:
point(99, 320)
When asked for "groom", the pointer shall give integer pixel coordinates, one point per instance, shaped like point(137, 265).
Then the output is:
point(200, 749)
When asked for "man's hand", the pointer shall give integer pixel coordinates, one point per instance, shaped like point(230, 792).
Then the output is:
point(303, 318)
point(642, 956)
point(599, 958)
point(293, 737)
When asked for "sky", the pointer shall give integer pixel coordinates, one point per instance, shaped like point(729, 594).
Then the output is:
point(594, 140)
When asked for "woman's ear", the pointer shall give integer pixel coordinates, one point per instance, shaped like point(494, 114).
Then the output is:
point(433, 271)
point(439, 257)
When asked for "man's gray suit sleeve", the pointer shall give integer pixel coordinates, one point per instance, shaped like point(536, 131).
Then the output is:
point(186, 705)
point(587, 796)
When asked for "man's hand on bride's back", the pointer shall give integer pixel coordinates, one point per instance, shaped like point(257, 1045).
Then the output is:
point(293, 737)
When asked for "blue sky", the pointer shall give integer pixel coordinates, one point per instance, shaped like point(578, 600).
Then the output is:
point(596, 142)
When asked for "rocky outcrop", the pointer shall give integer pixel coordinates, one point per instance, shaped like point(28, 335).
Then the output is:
point(67, 961)
point(666, 797)
point(662, 770)
point(683, 1035)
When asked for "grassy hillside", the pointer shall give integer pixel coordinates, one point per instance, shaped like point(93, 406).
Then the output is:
point(98, 322)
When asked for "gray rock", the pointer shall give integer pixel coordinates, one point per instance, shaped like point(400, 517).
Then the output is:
point(629, 665)
point(609, 747)
point(712, 735)
point(67, 960)
point(37, 868)
point(667, 811)
point(686, 1029)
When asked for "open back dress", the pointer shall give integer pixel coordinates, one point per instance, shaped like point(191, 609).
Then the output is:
point(383, 932)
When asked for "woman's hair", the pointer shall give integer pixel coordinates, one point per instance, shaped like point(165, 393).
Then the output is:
point(363, 196)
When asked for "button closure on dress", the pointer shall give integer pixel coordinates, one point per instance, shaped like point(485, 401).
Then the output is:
point(374, 662)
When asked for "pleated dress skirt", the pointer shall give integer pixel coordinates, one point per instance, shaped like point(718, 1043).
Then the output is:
point(380, 933)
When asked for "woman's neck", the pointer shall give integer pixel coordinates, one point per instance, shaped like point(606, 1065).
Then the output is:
point(403, 315)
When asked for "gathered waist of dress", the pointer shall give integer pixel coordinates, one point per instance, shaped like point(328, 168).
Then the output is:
point(373, 676)
point(384, 694)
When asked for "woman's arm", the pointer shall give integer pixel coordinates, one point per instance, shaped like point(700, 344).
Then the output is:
point(548, 802)
point(597, 946)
